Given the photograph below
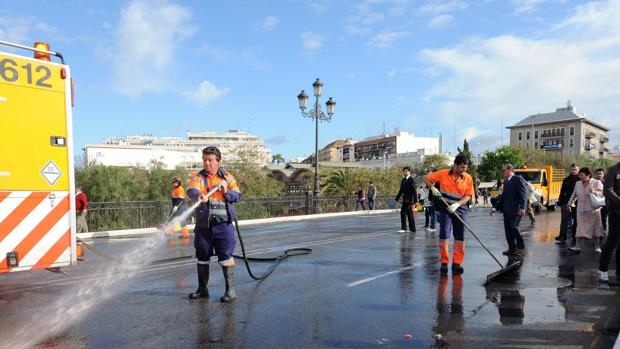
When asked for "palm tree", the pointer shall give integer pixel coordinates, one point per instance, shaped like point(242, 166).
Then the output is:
point(277, 158)
point(338, 182)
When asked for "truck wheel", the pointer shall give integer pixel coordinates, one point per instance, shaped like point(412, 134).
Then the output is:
point(550, 207)
point(537, 209)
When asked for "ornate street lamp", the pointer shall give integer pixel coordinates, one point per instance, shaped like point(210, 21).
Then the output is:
point(317, 114)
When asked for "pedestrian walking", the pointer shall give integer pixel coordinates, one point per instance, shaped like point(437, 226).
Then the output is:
point(568, 221)
point(408, 192)
point(485, 196)
point(372, 195)
point(456, 188)
point(214, 233)
point(599, 174)
point(361, 197)
point(531, 201)
point(512, 202)
point(611, 190)
point(81, 209)
point(589, 223)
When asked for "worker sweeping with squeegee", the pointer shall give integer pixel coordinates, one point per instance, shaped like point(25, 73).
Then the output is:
point(456, 189)
point(214, 232)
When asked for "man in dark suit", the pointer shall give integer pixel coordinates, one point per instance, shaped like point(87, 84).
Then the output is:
point(410, 197)
point(512, 202)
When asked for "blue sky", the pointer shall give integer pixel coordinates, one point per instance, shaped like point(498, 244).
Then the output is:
point(456, 67)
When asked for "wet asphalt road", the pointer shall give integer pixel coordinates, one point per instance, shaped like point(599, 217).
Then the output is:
point(364, 286)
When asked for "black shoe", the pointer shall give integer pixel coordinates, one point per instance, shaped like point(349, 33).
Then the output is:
point(203, 280)
point(443, 268)
point(230, 294)
point(560, 238)
point(413, 231)
point(457, 269)
point(508, 253)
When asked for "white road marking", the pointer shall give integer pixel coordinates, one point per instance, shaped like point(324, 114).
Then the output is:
point(373, 278)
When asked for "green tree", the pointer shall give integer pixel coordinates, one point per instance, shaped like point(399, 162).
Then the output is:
point(253, 177)
point(471, 168)
point(277, 158)
point(338, 182)
point(112, 184)
point(431, 163)
point(491, 164)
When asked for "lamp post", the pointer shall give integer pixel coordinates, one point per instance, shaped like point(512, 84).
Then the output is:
point(317, 114)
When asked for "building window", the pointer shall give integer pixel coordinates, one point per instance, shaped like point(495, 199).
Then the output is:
point(562, 131)
point(520, 136)
point(527, 135)
point(536, 135)
point(536, 145)
point(571, 142)
point(572, 130)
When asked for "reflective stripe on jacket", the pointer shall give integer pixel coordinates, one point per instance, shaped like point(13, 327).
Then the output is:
point(219, 207)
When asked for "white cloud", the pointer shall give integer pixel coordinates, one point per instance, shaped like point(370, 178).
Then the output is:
point(318, 7)
point(311, 41)
point(392, 73)
point(21, 29)
point(149, 33)
point(523, 6)
point(438, 7)
point(369, 13)
point(386, 40)
point(482, 79)
point(267, 24)
point(206, 93)
point(440, 21)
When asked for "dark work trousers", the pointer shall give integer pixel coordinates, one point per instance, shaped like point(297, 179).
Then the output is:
point(513, 235)
point(371, 204)
point(406, 215)
point(612, 243)
point(430, 217)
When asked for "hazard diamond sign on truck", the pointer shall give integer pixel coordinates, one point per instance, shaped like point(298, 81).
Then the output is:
point(37, 205)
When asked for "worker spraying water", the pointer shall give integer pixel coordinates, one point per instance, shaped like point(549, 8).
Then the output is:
point(214, 232)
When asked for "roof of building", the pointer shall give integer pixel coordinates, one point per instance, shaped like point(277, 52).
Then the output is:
point(560, 114)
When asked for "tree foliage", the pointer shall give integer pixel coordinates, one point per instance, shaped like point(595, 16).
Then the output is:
point(431, 163)
point(115, 184)
point(471, 168)
point(492, 161)
point(254, 178)
point(346, 181)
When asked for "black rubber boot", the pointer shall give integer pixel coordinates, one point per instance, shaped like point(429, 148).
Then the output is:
point(229, 295)
point(443, 268)
point(457, 269)
point(203, 280)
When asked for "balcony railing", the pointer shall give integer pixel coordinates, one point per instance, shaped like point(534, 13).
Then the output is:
point(590, 135)
point(589, 147)
point(604, 139)
point(603, 150)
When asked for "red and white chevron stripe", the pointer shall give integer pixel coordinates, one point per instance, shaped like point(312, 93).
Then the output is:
point(36, 227)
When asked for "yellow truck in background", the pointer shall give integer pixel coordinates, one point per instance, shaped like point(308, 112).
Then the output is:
point(37, 203)
point(547, 181)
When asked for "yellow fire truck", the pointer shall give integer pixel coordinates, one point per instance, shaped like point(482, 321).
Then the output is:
point(37, 205)
point(547, 182)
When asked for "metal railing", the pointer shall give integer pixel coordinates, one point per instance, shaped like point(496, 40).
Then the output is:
point(104, 216)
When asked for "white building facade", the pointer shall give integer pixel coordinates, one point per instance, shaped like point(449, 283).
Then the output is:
point(143, 151)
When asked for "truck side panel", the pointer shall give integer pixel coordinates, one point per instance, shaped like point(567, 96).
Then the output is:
point(36, 189)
